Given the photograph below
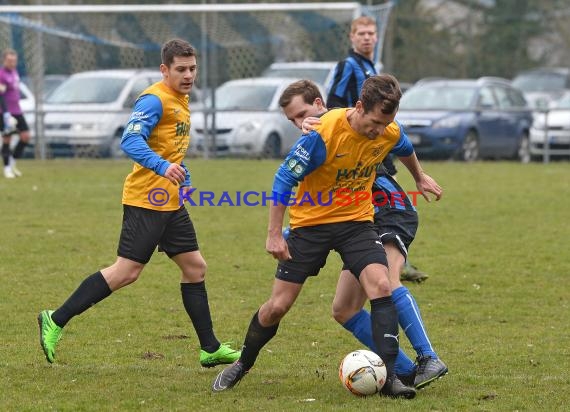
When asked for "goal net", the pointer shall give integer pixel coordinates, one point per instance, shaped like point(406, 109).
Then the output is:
point(233, 40)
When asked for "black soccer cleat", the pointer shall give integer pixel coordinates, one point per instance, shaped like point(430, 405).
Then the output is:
point(429, 369)
point(394, 388)
point(408, 380)
point(229, 377)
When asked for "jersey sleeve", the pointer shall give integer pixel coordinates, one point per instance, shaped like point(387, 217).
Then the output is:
point(404, 146)
point(338, 94)
point(306, 155)
point(188, 180)
point(145, 116)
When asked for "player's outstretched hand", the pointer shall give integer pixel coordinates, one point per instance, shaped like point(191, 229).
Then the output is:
point(277, 247)
point(175, 173)
point(428, 185)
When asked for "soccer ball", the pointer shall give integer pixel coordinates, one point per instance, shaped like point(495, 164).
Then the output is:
point(362, 372)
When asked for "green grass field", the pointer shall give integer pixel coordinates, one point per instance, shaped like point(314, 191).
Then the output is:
point(495, 305)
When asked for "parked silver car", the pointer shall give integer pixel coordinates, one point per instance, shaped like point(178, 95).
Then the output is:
point(88, 112)
point(554, 127)
point(319, 72)
point(543, 85)
point(248, 121)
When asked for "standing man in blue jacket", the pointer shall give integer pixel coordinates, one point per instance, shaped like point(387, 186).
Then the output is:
point(351, 72)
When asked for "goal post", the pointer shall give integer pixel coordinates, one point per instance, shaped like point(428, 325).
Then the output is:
point(232, 40)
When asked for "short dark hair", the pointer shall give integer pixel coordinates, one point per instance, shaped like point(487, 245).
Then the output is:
point(176, 48)
point(382, 89)
point(306, 88)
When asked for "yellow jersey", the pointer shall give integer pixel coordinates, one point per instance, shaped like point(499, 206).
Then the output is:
point(162, 118)
point(336, 167)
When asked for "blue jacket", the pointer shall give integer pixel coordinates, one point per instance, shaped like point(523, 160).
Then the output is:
point(349, 75)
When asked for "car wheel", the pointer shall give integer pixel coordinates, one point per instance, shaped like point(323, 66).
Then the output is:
point(272, 146)
point(114, 149)
point(523, 152)
point(470, 147)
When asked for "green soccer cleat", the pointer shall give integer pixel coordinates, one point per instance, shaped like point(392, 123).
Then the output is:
point(50, 334)
point(223, 356)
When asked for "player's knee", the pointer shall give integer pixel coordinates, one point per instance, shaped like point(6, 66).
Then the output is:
point(380, 288)
point(130, 277)
point(25, 137)
point(276, 310)
point(118, 276)
point(343, 311)
point(196, 271)
point(340, 314)
point(199, 267)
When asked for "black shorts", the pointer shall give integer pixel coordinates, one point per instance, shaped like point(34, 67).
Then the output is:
point(145, 229)
point(356, 242)
point(395, 216)
point(21, 125)
point(397, 226)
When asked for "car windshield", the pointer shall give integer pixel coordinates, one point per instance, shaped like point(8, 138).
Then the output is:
point(316, 75)
point(88, 90)
point(442, 97)
point(243, 97)
point(564, 102)
point(540, 82)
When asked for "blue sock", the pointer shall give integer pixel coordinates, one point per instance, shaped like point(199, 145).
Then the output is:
point(411, 321)
point(361, 328)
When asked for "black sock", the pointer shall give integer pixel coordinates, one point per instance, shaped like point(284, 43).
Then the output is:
point(6, 153)
point(91, 291)
point(195, 300)
point(384, 318)
point(19, 149)
point(256, 338)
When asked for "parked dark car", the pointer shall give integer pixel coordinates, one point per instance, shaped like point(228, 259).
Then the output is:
point(466, 119)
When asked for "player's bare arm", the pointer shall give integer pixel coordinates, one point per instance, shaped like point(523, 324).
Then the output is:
point(425, 183)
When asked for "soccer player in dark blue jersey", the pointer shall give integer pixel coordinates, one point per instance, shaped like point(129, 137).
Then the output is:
point(396, 220)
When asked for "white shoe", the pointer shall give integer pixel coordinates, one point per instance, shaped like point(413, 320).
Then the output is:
point(15, 170)
point(8, 172)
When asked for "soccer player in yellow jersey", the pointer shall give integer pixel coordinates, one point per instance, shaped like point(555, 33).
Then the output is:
point(396, 221)
point(332, 165)
point(156, 138)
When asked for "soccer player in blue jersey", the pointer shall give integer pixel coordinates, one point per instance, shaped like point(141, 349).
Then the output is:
point(347, 81)
point(156, 138)
point(339, 156)
point(396, 219)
